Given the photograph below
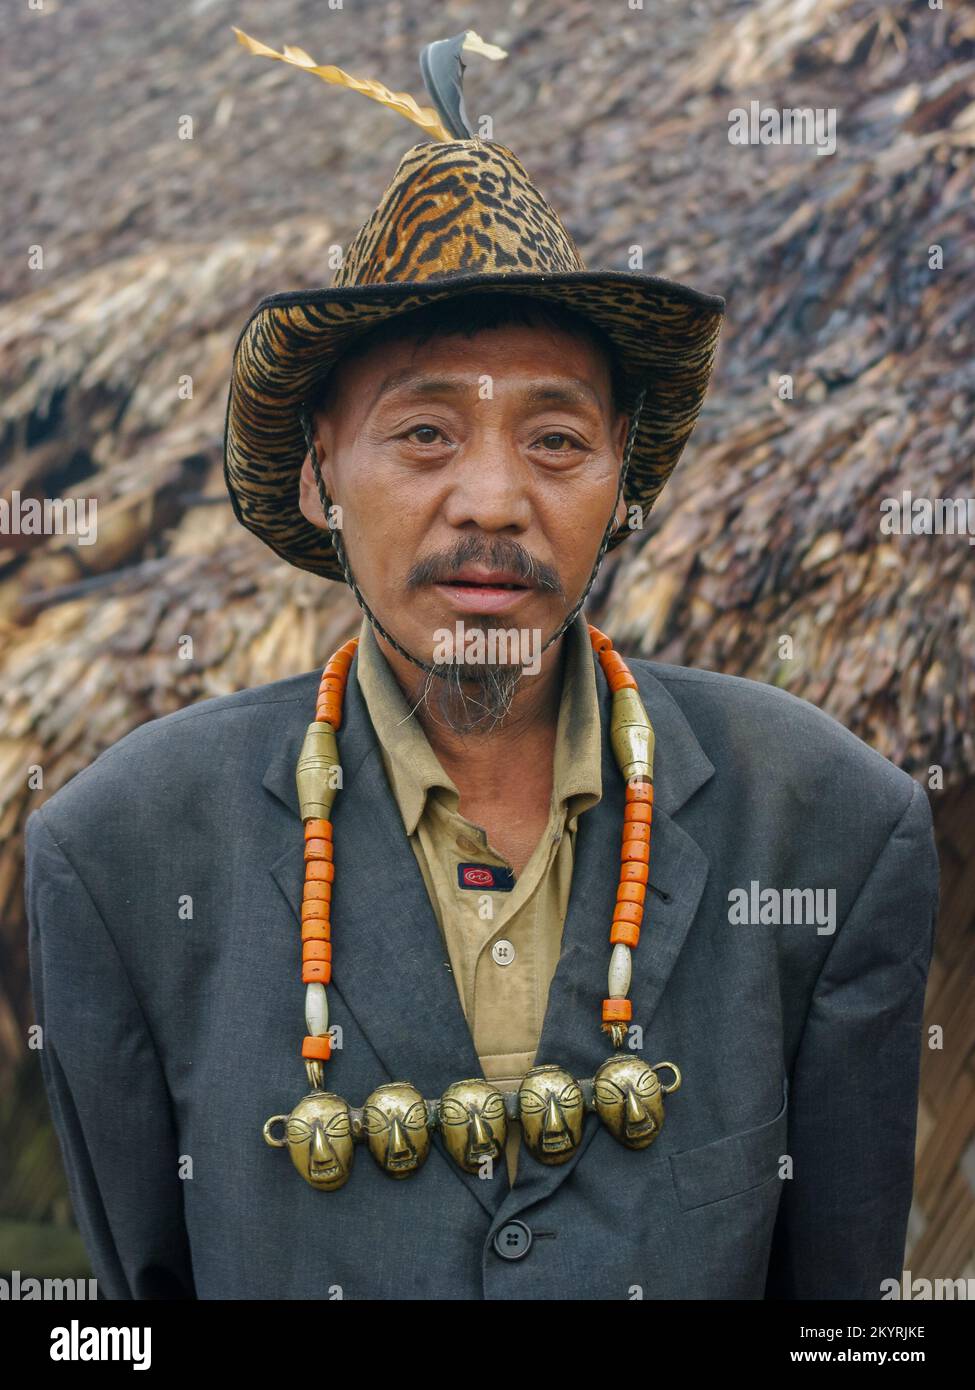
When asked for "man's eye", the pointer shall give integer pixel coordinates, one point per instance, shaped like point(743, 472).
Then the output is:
point(557, 434)
point(423, 429)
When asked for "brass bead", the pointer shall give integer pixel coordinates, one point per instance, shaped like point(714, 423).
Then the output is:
point(631, 735)
point(319, 754)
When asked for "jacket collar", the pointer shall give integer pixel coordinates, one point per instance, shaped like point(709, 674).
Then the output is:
point(389, 965)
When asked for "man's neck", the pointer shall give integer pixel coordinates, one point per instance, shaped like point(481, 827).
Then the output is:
point(484, 758)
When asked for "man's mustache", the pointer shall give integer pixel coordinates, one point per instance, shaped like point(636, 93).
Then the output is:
point(502, 555)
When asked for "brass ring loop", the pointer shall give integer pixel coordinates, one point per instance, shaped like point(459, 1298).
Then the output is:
point(269, 1137)
point(677, 1076)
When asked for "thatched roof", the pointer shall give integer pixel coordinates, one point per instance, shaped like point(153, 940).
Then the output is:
point(156, 249)
point(772, 527)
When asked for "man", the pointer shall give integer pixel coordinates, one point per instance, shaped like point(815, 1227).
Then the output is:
point(455, 429)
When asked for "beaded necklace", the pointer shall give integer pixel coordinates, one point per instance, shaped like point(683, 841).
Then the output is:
point(472, 1116)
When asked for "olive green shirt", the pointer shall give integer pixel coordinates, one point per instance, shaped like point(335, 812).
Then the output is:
point(503, 946)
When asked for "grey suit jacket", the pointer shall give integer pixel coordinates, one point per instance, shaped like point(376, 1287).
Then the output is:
point(785, 1165)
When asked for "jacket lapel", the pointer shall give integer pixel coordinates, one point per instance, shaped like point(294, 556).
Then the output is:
point(390, 963)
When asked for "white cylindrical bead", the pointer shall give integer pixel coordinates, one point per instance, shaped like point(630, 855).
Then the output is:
point(316, 1009)
point(620, 970)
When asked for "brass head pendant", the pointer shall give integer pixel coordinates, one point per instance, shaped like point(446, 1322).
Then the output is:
point(551, 1109)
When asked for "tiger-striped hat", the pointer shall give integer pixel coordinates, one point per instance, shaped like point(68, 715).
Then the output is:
point(460, 215)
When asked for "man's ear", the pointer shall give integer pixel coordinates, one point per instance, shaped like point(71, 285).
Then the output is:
point(620, 431)
point(621, 428)
point(309, 502)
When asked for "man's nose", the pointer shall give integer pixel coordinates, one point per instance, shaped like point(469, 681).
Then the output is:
point(489, 487)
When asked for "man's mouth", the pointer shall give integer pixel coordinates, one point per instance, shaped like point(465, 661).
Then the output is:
point(484, 579)
point(483, 591)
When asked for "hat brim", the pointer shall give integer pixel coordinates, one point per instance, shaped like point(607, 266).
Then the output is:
point(665, 335)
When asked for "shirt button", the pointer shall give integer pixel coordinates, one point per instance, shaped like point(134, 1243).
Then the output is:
point(502, 952)
point(513, 1241)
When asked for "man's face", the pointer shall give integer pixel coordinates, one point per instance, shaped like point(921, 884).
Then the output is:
point(460, 457)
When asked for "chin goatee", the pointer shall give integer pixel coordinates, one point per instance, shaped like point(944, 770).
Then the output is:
point(479, 708)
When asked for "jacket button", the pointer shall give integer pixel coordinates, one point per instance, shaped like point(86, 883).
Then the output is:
point(513, 1240)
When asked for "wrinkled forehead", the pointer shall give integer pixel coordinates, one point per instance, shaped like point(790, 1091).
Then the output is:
point(397, 359)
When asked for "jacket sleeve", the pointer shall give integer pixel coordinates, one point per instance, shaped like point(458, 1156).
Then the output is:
point(842, 1222)
point(111, 1108)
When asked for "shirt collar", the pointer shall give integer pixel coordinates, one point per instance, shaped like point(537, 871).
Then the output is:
point(413, 767)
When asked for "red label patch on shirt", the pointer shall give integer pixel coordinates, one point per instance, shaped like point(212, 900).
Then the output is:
point(485, 878)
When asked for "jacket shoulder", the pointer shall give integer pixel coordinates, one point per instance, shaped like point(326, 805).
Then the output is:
point(753, 729)
point(164, 758)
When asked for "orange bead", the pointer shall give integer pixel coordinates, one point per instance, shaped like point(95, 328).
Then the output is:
point(600, 642)
point(329, 710)
point(637, 830)
point(336, 683)
point(316, 972)
point(612, 666)
point(622, 680)
point(633, 872)
point(316, 949)
point(317, 1049)
point(631, 893)
point(316, 929)
point(318, 849)
point(639, 791)
point(636, 851)
point(318, 871)
point(628, 912)
point(318, 829)
point(624, 934)
point(315, 907)
point(638, 811)
point(320, 891)
point(617, 1010)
